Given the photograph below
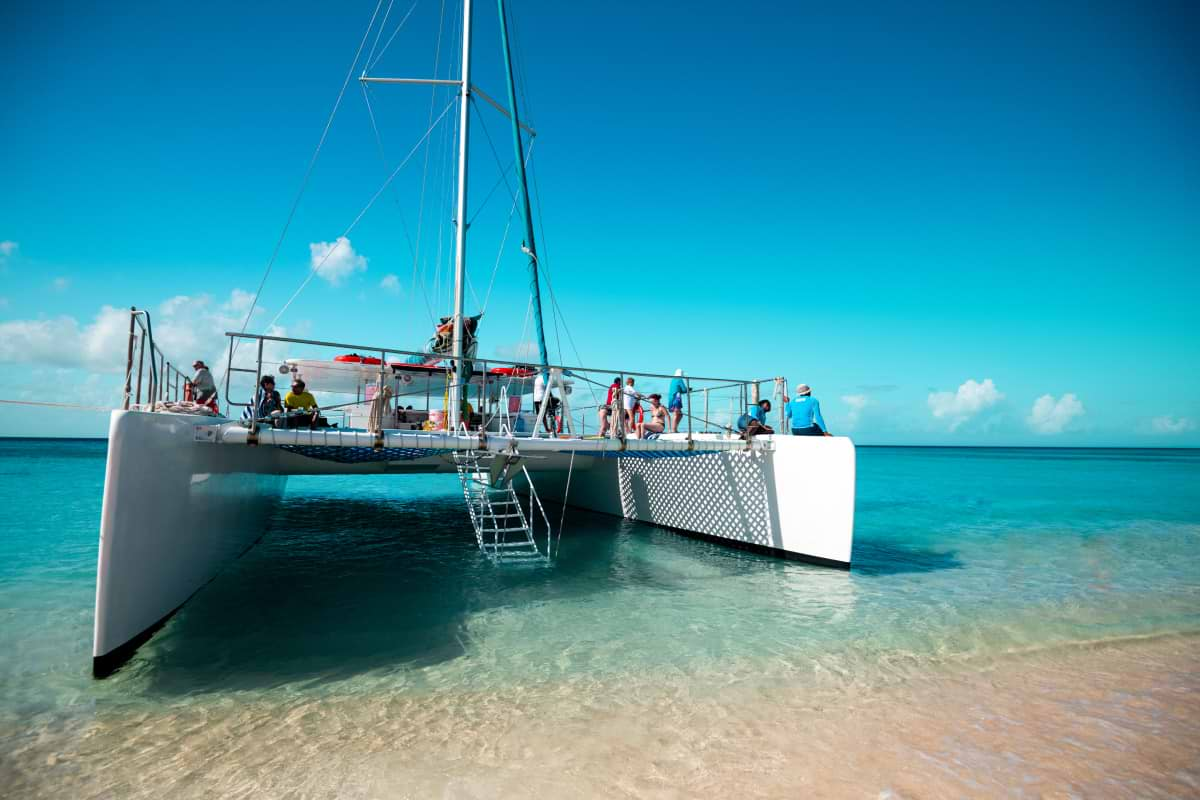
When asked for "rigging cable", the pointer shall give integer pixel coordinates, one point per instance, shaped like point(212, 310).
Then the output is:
point(437, 60)
point(75, 406)
point(378, 33)
point(395, 198)
point(371, 64)
point(337, 243)
point(307, 175)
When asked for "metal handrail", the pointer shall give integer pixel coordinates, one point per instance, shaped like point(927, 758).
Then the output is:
point(744, 388)
point(166, 380)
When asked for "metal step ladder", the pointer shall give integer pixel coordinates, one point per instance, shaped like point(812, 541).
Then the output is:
point(504, 529)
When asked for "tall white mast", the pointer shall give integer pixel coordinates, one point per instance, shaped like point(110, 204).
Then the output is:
point(460, 236)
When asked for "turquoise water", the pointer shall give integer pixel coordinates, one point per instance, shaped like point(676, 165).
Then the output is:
point(371, 588)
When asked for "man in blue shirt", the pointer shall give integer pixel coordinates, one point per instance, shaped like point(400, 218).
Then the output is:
point(754, 421)
point(804, 414)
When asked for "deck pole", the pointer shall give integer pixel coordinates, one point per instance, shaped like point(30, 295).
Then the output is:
point(687, 382)
point(129, 358)
point(782, 383)
point(228, 373)
point(141, 362)
point(257, 376)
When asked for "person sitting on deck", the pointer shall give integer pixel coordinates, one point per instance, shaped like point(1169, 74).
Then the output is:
point(605, 410)
point(267, 403)
point(675, 395)
point(658, 418)
point(804, 414)
point(302, 407)
point(754, 422)
point(204, 388)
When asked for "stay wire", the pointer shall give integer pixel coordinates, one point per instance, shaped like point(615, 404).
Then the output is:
point(379, 33)
point(395, 198)
point(305, 181)
point(371, 64)
point(337, 243)
point(433, 93)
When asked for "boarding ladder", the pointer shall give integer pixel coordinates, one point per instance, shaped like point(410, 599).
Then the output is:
point(503, 528)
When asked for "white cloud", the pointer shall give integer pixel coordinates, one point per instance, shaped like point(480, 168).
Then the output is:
point(390, 283)
point(185, 328)
point(335, 261)
point(8, 248)
point(61, 284)
point(239, 301)
point(62, 341)
point(856, 402)
point(960, 406)
point(1050, 416)
point(1168, 425)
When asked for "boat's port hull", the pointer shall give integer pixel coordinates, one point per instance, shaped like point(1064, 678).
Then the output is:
point(174, 514)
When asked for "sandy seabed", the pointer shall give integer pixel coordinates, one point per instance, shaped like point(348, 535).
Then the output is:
point(1105, 720)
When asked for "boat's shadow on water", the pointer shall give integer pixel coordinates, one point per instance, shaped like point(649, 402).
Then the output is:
point(880, 557)
point(342, 587)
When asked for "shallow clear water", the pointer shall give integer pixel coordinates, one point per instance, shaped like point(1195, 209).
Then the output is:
point(369, 593)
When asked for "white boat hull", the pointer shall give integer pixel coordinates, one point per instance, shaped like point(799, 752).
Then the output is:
point(174, 514)
point(186, 495)
point(794, 500)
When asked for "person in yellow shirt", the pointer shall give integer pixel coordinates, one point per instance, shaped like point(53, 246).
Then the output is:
point(300, 400)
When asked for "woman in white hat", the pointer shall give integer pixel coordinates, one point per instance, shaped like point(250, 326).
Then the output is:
point(804, 414)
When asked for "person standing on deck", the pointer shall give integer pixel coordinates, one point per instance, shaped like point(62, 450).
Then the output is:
point(630, 401)
point(204, 388)
point(675, 395)
point(804, 414)
point(606, 410)
point(539, 396)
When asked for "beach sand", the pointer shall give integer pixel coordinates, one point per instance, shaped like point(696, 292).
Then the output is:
point(1116, 719)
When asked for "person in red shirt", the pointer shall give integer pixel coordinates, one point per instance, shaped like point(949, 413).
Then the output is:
point(614, 391)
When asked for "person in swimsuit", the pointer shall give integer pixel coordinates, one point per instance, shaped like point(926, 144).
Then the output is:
point(657, 423)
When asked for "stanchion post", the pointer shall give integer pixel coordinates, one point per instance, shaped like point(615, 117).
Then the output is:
point(129, 359)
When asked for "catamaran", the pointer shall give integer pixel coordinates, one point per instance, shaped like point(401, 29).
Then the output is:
point(188, 488)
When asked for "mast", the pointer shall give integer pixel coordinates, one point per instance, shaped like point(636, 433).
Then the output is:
point(460, 235)
point(519, 151)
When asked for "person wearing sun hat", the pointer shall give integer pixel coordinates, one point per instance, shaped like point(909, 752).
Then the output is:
point(804, 414)
point(204, 388)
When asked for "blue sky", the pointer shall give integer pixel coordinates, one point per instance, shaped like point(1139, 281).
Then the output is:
point(960, 224)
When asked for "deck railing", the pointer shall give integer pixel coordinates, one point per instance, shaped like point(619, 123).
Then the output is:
point(710, 404)
point(163, 379)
